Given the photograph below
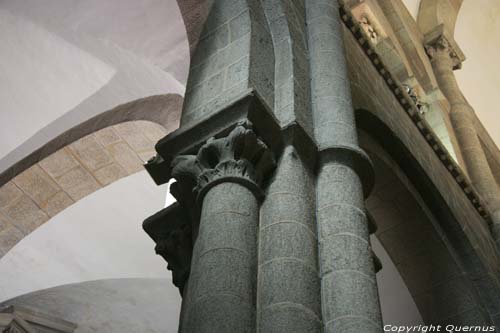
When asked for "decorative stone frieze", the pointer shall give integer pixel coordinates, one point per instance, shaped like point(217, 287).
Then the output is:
point(422, 107)
point(405, 101)
point(241, 157)
point(369, 29)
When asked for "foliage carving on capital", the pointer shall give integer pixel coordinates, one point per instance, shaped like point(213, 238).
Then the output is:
point(239, 157)
point(442, 45)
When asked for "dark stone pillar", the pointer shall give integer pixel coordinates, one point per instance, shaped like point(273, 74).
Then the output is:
point(221, 290)
point(288, 289)
point(349, 292)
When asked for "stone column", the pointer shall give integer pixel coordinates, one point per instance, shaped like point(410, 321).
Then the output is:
point(221, 290)
point(349, 294)
point(288, 285)
point(444, 59)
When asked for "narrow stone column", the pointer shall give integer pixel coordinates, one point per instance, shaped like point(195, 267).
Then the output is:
point(349, 294)
point(288, 285)
point(444, 60)
point(222, 285)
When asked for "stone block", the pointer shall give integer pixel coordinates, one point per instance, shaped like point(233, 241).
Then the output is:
point(236, 50)
point(222, 314)
point(107, 136)
point(291, 281)
point(237, 72)
point(222, 12)
point(91, 154)
point(280, 209)
point(126, 157)
point(59, 162)
point(110, 173)
point(239, 26)
point(130, 132)
point(210, 44)
point(57, 203)
point(78, 183)
point(37, 184)
point(9, 193)
point(9, 236)
point(348, 294)
point(288, 239)
point(152, 131)
point(342, 252)
point(228, 230)
point(289, 318)
point(342, 219)
point(26, 215)
point(224, 271)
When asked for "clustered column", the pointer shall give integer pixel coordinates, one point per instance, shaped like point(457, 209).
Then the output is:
point(221, 290)
point(288, 286)
point(349, 295)
point(444, 60)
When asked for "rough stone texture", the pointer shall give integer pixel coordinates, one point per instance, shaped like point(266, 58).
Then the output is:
point(228, 60)
point(443, 286)
point(444, 58)
point(367, 84)
point(221, 288)
point(475, 238)
point(292, 95)
point(410, 38)
point(447, 265)
point(288, 286)
point(224, 179)
point(348, 286)
point(71, 173)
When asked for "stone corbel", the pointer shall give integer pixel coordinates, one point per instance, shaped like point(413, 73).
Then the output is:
point(171, 229)
point(438, 40)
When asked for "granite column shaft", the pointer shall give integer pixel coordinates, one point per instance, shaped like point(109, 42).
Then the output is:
point(349, 295)
point(223, 272)
point(288, 284)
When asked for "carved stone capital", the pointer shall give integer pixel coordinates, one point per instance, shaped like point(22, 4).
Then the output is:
point(437, 41)
point(240, 157)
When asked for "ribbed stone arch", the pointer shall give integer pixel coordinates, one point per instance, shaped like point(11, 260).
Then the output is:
point(84, 159)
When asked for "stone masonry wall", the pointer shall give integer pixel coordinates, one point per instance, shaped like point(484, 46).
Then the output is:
point(229, 60)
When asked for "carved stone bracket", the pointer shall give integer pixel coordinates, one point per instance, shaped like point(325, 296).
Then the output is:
point(171, 229)
point(241, 157)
